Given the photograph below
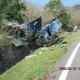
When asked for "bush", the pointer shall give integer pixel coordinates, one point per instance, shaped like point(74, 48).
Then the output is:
point(75, 16)
point(77, 6)
point(65, 19)
point(11, 9)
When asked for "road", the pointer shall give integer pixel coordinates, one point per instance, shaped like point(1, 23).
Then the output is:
point(68, 67)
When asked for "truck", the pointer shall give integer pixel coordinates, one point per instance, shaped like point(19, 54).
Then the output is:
point(46, 35)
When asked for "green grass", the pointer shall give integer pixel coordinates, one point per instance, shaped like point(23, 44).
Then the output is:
point(38, 66)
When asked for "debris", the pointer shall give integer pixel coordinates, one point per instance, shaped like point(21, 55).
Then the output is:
point(17, 42)
point(9, 37)
point(40, 52)
point(75, 28)
point(30, 56)
point(44, 48)
point(64, 42)
point(13, 24)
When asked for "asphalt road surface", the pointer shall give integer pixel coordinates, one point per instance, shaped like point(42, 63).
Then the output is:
point(69, 66)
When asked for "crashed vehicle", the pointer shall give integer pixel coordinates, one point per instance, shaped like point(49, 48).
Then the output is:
point(33, 28)
point(46, 35)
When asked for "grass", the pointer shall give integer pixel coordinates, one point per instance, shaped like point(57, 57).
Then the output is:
point(38, 66)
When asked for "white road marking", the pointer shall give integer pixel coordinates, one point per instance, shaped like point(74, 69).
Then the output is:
point(65, 72)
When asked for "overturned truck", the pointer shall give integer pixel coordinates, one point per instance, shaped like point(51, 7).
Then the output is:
point(35, 33)
point(43, 36)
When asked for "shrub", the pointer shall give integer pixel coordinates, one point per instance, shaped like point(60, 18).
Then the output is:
point(76, 6)
point(75, 16)
point(11, 9)
point(65, 19)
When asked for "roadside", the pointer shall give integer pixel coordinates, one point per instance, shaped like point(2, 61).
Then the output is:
point(36, 67)
point(56, 73)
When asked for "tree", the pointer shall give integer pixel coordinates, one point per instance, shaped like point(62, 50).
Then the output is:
point(11, 9)
point(53, 3)
point(57, 9)
point(77, 6)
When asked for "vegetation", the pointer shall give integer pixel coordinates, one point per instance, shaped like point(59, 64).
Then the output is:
point(65, 19)
point(17, 10)
point(36, 67)
point(75, 15)
point(11, 9)
point(77, 6)
point(54, 5)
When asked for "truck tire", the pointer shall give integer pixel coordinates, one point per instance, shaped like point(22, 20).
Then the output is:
point(38, 42)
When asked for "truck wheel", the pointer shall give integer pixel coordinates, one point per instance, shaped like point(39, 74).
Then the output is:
point(38, 42)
